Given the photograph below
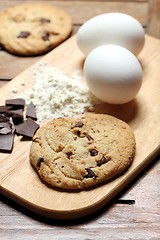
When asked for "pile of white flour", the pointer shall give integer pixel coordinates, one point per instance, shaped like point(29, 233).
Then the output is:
point(58, 95)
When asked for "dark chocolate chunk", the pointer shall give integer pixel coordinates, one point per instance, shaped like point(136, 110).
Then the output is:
point(40, 160)
point(5, 124)
point(69, 154)
point(3, 118)
point(5, 127)
point(17, 115)
point(4, 109)
point(16, 103)
point(18, 127)
point(89, 137)
point(27, 128)
point(78, 133)
point(31, 111)
point(93, 152)
point(5, 130)
point(90, 173)
point(23, 34)
point(45, 37)
point(79, 124)
point(6, 142)
point(44, 20)
point(103, 161)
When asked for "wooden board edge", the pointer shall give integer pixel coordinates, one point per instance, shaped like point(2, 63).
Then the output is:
point(82, 212)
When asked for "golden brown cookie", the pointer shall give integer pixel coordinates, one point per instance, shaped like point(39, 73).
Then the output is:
point(75, 153)
point(32, 29)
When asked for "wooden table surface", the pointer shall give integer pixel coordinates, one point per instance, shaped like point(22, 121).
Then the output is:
point(135, 212)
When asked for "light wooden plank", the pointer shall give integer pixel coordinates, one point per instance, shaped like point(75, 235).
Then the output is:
point(81, 11)
point(82, 0)
point(153, 27)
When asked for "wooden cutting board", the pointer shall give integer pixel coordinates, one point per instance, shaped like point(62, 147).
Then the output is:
point(20, 182)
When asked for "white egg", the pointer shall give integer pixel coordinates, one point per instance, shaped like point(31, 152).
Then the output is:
point(111, 28)
point(113, 74)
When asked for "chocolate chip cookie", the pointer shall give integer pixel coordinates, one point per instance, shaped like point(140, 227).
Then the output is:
point(32, 29)
point(75, 153)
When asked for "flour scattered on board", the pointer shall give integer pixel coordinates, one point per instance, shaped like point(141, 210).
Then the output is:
point(58, 95)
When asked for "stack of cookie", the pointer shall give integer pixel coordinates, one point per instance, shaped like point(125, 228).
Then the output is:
point(30, 30)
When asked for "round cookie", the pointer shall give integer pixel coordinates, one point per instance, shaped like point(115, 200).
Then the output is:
point(75, 153)
point(32, 29)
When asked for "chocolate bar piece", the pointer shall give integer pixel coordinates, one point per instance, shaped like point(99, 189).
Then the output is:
point(16, 103)
point(6, 142)
point(3, 118)
point(5, 130)
point(5, 127)
point(14, 111)
point(12, 121)
point(31, 111)
point(27, 128)
point(4, 109)
point(6, 124)
point(17, 115)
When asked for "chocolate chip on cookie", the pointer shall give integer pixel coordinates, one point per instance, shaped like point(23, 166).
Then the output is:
point(39, 161)
point(23, 34)
point(90, 173)
point(103, 160)
point(45, 37)
point(89, 137)
point(79, 124)
point(69, 154)
point(44, 20)
point(93, 152)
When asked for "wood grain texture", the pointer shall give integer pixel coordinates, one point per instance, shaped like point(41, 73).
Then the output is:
point(17, 178)
point(81, 11)
point(154, 18)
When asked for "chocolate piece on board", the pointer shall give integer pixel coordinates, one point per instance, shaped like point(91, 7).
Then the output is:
point(5, 127)
point(16, 103)
point(5, 124)
point(17, 115)
point(31, 111)
point(3, 118)
point(4, 109)
point(6, 142)
point(27, 128)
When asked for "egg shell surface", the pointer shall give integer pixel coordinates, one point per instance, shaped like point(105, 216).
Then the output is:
point(111, 28)
point(113, 74)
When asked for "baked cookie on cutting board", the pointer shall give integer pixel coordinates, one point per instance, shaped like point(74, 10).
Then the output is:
point(76, 153)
